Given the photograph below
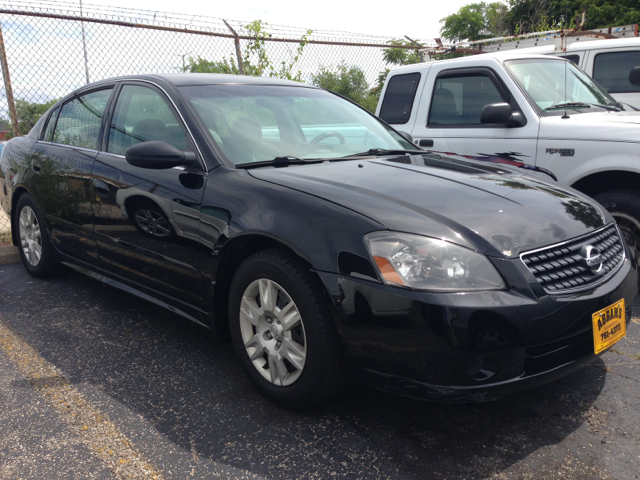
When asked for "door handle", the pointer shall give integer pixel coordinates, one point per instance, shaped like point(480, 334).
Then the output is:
point(425, 142)
point(100, 187)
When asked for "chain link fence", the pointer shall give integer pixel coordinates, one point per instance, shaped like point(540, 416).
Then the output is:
point(52, 48)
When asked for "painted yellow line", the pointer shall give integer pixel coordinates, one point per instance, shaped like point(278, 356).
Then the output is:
point(94, 428)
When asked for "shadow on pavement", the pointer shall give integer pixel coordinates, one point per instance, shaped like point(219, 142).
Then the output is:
point(164, 368)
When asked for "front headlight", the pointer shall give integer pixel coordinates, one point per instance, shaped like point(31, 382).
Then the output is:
point(427, 263)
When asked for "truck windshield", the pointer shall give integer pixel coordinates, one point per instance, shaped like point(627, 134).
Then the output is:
point(258, 123)
point(544, 81)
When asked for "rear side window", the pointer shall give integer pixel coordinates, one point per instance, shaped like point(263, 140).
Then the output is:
point(80, 119)
point(398, 98)
point(611, 70)
point(459, 100)
point(51, 125)
point(572, 58)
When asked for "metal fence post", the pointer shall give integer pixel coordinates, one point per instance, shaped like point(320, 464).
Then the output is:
point(236, 40)
point(7, 87)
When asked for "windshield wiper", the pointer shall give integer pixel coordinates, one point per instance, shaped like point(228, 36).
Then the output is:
point(277, 162)
point(574, 105)
point(375, 152)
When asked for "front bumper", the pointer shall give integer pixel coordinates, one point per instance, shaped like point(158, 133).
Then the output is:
point(468, 346)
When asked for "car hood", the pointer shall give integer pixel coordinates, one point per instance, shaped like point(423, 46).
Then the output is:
point(486, 208)
point(593, 126)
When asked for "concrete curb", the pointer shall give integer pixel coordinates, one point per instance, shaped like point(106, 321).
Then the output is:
point(9, 254)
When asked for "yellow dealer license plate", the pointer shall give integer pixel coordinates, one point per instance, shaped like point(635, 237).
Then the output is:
point(609, 326)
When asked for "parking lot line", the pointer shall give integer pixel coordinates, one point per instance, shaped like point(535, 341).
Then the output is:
point(94, 428)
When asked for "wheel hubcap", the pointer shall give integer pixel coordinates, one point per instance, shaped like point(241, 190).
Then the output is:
point(152, 222)
point(272, 332)
point(30, 236)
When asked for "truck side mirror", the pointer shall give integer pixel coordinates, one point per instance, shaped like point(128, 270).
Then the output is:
point(501, 114)
point(634, 76)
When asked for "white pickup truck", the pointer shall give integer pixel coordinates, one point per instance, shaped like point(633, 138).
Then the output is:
point(537, 112)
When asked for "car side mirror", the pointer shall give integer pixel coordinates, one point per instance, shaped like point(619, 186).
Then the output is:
point(501, 114)
point(158, 155)
point(634, 76)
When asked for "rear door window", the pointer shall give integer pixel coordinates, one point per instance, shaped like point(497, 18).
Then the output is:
point(80, 119)
point(51, 125)
point(458, 100)
point(398, 98)
point(611, 70)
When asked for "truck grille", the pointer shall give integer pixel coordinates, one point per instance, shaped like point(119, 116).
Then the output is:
point(561, 268)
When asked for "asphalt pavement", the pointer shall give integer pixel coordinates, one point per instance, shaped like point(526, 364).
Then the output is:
point(98, 384)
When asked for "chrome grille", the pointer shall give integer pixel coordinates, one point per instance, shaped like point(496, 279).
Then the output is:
point(561, 268)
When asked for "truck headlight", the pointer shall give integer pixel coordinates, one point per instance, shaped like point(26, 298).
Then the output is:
point(425, 263)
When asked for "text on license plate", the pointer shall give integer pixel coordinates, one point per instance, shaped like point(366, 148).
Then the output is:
point(609, 326)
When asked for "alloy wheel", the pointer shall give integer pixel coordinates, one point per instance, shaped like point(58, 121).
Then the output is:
point(30, 236)
point(273, 332)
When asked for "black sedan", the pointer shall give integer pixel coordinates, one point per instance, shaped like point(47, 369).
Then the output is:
point(318, 238)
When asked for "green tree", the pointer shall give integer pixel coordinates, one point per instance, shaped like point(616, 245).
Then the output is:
point(475, 22)
point(527, 16)
point(28, 114)
point(348, 81)
point(400, 56)
point(255, 60)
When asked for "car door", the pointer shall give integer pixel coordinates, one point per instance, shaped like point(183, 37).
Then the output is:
point(448, 119)
point(611, 68)
point(61, 165)
point(147, 221)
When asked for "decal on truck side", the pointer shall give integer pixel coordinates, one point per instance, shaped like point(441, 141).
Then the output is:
point(506, 158)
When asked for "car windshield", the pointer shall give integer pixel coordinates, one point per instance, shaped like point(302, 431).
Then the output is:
point(544, 81)
point(254, 123)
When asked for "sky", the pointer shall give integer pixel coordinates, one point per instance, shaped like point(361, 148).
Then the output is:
point(415, 19)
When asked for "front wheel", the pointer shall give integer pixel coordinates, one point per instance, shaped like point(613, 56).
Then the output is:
point(624, 207)
point(283, 332)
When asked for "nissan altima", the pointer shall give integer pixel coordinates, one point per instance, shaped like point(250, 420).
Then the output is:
point(321, 241)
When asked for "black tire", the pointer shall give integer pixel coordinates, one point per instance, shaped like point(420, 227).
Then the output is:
point(624, 206)
point(324, 373)
point(47, 266)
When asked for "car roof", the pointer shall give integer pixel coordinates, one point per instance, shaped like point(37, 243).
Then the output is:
point(190, 79)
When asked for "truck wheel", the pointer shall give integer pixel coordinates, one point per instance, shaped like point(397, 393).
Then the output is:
point(283, 332)
point(624, 206)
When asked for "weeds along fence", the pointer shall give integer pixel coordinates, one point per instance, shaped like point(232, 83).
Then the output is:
point(49, 49)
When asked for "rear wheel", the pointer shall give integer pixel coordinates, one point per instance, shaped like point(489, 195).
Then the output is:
point(283, 332)
point(35, 246)
point(624, 207)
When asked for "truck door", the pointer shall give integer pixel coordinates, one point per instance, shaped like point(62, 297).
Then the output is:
point(448, 119)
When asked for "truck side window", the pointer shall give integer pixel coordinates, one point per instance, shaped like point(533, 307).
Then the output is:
point(398, 99)
point(572, 58)
point(611, 70)
point(459, 100)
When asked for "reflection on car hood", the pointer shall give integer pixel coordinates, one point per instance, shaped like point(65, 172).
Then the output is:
point(491, 209)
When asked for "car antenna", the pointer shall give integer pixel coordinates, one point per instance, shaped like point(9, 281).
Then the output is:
point(564, 47)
